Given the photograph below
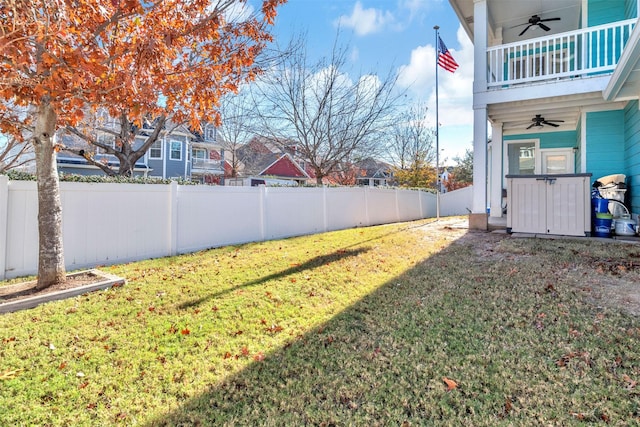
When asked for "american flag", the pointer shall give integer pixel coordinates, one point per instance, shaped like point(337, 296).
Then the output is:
point(445, 60)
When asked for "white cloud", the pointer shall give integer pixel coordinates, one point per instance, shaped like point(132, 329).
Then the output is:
point(415, 6)
point(455, 90)
point(365, 21)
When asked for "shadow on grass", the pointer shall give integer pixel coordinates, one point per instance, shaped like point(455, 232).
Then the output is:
point(458, 315)
point(369, 363)
point(309, 265)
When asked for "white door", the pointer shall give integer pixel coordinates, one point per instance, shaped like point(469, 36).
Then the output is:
point(556, 161)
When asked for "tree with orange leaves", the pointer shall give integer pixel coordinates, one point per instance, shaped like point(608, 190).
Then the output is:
point(155, 58)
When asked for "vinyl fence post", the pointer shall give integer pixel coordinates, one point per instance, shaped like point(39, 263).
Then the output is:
point(398, 207)
point(262, 195)
point(325, 218)
point(366, 206)
point(4, 207)
point(420, 203)
point(173, 218)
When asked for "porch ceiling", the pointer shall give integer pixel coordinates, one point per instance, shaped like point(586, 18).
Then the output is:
point(504, 15)
point(516, 116)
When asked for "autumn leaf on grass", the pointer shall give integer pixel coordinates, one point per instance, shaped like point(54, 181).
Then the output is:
point(259, 357)
point(185, 331)
point(275, 329)
point(630, 383)
point(451, 384)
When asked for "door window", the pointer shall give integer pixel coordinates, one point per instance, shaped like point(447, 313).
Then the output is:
point(557, 161)
point(522, 158)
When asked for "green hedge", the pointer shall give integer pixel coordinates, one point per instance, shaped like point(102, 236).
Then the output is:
point(24, 176)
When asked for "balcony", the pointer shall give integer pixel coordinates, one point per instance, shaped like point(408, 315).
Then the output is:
point(205, 166)
point(579, 53)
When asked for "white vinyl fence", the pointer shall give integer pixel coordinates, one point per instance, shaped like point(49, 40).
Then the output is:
point(114, 223)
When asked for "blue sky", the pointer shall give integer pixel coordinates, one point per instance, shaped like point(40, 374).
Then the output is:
point(395, 35)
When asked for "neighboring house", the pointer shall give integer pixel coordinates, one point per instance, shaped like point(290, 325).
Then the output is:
point(169, 157)
point(373, 173)
point(445, 175)
point(207, 155)
point(558, 82)
point(265, 161)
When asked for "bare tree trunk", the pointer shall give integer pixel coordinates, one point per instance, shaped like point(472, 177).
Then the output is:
point(51, 269)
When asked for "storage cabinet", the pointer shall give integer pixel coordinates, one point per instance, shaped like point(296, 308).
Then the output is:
point(549, 204)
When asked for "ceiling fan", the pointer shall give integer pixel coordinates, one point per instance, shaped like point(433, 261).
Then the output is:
point(539, 121)
point(535, 20)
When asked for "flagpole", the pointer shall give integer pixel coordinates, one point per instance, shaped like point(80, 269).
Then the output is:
point(437, 45)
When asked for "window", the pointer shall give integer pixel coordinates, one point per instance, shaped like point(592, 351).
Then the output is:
point(176, 150)
point(199, 154)
point(210, 133)
point(155, 151)
point(539, 64)
point(521, 158)
point(105, 139)
point(557, 161)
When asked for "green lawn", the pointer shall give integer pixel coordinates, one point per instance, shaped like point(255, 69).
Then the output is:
point(355, 327)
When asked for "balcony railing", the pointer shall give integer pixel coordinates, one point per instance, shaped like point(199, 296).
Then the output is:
point(588, 51)
point(206, 166)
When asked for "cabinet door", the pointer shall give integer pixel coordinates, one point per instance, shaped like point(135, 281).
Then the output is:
point(526, 212)
point(568, 206)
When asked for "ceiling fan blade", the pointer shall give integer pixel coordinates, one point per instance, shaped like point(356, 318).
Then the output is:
point(549, 19)
point(531, 125)
point(526, 28)
point(550, 124)
point(544, 27)
point(556, 121)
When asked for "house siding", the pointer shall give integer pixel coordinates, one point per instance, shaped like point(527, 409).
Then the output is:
point(632, 152)
point(175, 168)
point(604, 11)
point(605, 143)
point(564, 139)
point(631, 9)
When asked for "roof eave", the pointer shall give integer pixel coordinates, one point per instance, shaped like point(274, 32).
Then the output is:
point(627, 63)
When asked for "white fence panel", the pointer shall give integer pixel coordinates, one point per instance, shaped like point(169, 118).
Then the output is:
point(110, 223)
point(22, 231)
point(381, 205)
point(409, 205)
point(346, 208)
point(428, 201)
point(217, 216)
point(291, 211)
point(456, 202)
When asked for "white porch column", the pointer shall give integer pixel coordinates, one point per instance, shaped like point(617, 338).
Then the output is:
point(480, 19)
point(479, 204)
point(496, 178)
point(478, 215)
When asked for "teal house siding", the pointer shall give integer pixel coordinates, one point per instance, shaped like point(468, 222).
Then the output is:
point(565, 139)
point(605, 143)
point(605, 11)
point(631, 9)
point(632, 153)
